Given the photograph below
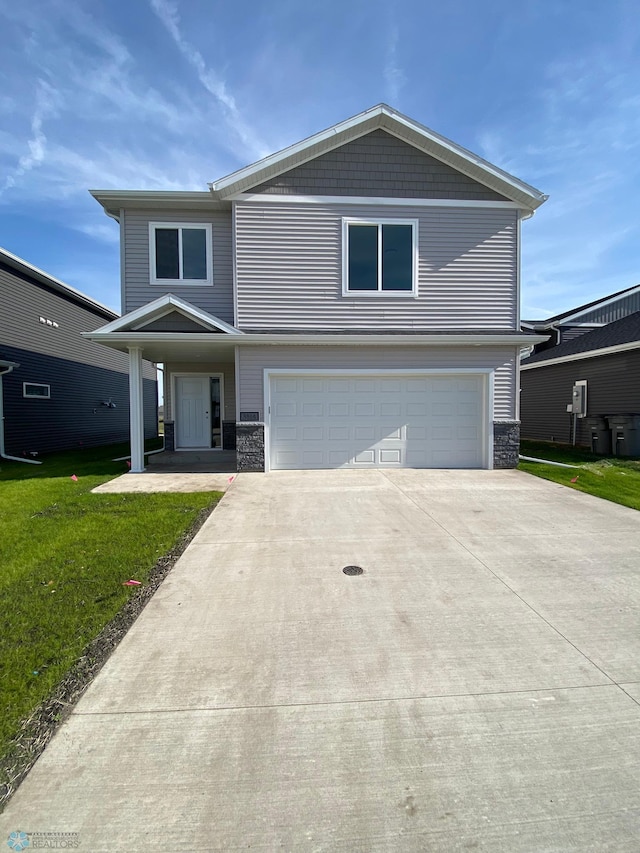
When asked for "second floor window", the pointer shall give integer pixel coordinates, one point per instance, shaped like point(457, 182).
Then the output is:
point(380, 257)
point(180, 253)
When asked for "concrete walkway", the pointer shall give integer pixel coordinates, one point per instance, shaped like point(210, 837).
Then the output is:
point(477, 688)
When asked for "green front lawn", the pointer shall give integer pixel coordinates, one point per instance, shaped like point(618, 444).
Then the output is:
point(64, 557)
point(614, 479)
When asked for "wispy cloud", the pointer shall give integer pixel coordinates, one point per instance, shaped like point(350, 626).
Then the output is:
point(168, 14)
point(46, 105)
point(394, 77)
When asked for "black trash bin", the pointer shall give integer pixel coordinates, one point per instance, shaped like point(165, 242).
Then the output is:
point(625, 434)
point(600, 434)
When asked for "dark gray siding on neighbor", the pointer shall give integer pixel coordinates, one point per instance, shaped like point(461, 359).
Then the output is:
point(377, 164)
point(614, 311)
point(23, 303)
point(74, 415)
point(216, 299)
point(613, 387)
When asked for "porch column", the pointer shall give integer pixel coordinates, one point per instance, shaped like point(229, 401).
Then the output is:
point(136, 410)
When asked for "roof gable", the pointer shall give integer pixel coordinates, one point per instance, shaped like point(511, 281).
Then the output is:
point(381, 165)
point(381, 117)
point(170, 309)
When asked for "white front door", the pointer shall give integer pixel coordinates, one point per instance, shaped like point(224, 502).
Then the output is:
point(192, 406)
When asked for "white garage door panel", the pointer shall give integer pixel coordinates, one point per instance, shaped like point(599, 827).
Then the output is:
point(377, 421)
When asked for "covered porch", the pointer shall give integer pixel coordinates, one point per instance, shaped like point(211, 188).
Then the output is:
point(198, 356)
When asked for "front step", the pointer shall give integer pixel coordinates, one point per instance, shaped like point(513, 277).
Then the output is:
point(193, 461)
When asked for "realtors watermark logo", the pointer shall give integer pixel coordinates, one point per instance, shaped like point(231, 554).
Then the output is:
point(43, 841)
point(18, 841)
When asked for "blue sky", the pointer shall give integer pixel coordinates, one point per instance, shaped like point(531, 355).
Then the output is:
point(158, 94)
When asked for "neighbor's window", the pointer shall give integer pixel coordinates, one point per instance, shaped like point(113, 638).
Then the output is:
point(180, 253)
point(380, 257)
point(33, 389)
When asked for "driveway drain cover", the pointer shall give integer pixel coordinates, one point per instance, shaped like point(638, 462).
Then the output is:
point(352, 570)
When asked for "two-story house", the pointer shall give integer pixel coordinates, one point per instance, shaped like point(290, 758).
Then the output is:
point(350, 301)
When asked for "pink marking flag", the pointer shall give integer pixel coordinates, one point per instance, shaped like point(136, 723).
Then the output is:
point(575, 479)
point(132, 583)
point(74, 478)
point(231, 479)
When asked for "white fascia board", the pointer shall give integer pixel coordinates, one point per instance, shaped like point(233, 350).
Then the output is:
point(373, 200)
point(393, 122)
point(579, 356)
point(138, 339)
point(465, 161)
point(602, 304)
point(114, 201)
point(158, 308)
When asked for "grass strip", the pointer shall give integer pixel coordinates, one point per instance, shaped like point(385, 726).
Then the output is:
point(612, 478)
point(65, 555)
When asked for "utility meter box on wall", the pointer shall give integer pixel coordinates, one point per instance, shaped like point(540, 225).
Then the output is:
point(579, 399)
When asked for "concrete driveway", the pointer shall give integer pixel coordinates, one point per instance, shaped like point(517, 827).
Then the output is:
point(477, 688)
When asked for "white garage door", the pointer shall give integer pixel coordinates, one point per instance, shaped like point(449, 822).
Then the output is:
point(409, 421)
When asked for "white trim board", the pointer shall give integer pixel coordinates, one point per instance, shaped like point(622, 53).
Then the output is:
point(377, 200)
point(105, 336)
point(579, 356)
point(488, 374)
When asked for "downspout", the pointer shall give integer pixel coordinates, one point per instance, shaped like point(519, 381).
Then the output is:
point(7, 368)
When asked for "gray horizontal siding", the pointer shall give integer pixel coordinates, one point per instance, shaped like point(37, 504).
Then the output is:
point(74, 415)
point(614, 311)
point(23, 303)
point(377, 164)
point(228, 382)
point(253, 361)
point(216, 299)
point(613, 387)
point(289, 269)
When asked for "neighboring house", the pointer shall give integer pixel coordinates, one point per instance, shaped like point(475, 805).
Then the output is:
point(58, 389)
point(351, 301)
point(606, 360)
point(579, 321)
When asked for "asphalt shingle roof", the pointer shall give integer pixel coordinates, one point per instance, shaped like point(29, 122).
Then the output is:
point(623, 331)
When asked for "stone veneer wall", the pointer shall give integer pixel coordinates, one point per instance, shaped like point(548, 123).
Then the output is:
point(229, 435)
point(250, 446)
point(169, 436)
point(506, 444)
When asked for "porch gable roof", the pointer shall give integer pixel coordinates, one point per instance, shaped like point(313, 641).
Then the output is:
point(135, 321)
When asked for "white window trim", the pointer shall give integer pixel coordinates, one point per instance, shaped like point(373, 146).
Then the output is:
point(46, 396)
point(377, 294)
point(180, 282)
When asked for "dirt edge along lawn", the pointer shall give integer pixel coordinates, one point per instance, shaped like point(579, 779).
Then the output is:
point(56, 637)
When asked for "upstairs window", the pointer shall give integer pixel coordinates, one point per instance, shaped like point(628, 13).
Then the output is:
point(380, 257)
point(180, 253)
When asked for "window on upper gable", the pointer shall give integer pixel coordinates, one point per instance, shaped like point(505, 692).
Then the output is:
point(380, 256)
point(180, 253)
